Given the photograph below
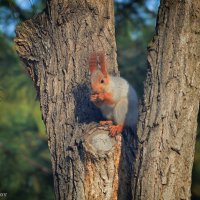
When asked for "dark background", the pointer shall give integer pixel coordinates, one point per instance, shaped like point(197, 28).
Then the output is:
point(25, 167)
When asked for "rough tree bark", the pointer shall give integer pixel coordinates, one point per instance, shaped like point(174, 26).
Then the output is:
point(55, 46)
point(168, 120)
point(86, 163)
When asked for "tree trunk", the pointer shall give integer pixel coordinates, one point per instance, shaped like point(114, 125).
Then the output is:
point(168, 118)
point(55, 46)
point(87, 164)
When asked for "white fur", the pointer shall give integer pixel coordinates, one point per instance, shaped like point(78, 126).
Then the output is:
point(125, 110)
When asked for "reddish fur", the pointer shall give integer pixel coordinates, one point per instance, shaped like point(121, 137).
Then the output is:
point(115, 129)
point(108, 98)
point(103, 64)
point(97, 86)
point(93, 62)
point(107, 122)
point(105, 98)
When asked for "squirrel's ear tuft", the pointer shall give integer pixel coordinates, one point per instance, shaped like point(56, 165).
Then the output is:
point(102, 63)
point(93, 62)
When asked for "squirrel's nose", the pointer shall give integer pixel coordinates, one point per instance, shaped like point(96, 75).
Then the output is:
point(96, 89)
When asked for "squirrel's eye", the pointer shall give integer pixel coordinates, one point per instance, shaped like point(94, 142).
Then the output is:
point(102, 81)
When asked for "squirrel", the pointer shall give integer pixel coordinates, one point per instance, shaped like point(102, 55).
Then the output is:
point(115, 97)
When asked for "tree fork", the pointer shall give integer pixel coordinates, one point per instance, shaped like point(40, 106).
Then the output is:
point(55, 47)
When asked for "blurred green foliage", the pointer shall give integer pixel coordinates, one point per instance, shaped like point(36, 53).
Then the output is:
point(25, 167)
point(135, 24)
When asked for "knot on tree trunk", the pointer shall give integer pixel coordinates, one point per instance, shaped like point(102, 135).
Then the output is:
point(98, 143)
point(101, 164)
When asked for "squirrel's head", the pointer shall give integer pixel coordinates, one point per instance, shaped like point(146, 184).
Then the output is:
point(99, 75)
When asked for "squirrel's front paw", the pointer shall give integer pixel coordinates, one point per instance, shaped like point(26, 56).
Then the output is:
point(115, 129)
point(101, 96)
point(93, 97)
point(97, 97)
point(106, 122)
